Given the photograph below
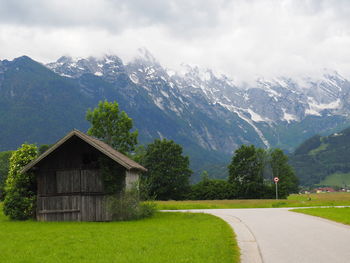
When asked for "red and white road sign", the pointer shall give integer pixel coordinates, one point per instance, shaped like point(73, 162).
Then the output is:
point(276, 179)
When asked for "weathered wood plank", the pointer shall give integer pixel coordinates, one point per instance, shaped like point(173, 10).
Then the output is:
point(131, 179)
point(58, 211)
point(91, 181)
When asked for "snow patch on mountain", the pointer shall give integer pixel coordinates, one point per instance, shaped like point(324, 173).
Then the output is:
point(274, 102)
point(249, 121)
point(316, 108)
point(133, 77)
point(255, 117)
point(288, 117)
point(159, 103)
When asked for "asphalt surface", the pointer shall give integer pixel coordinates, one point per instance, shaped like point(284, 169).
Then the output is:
point(276, 235)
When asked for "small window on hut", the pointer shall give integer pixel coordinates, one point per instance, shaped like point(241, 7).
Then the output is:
point(90, 160)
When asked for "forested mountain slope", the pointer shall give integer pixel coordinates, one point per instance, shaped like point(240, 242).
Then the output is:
point(323, 156)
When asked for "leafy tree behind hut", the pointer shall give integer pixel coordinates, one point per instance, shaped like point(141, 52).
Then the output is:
point(112, 126)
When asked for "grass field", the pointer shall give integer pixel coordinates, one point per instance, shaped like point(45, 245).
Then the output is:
point(296, 200)
point(167, 237)
point(341, 215)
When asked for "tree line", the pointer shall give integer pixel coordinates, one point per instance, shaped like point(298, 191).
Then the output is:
point(251, 170)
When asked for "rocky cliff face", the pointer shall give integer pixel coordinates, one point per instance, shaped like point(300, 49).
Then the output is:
point(219, 114)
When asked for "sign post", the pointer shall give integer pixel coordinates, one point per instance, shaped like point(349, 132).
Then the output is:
point(276, 179)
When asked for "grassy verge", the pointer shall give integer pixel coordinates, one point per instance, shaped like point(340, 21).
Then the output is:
point(167, 237)
point(323, 199)
point(341, 215)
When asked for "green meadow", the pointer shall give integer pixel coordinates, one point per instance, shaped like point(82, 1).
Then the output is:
point(166, 237)
point(341, 215)
point(295, 200)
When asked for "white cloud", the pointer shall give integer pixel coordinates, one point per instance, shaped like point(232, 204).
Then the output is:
point(243, 39)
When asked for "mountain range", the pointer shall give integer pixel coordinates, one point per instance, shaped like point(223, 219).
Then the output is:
point(208, 113)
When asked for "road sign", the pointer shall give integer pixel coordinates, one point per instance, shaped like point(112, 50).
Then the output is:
point(276, 179)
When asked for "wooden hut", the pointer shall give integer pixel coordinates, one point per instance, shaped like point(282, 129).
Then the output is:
point(70, 186)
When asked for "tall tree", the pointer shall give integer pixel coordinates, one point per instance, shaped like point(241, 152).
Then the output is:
point(112, 126)
point(288, 182)
point(245, 172)
point(20, 187)
point(168, 171)
point(252, 171)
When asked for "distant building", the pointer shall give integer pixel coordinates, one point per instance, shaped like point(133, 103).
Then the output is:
point(324, 190)
point(69, 182)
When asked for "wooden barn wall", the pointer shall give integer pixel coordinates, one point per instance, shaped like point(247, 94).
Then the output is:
point(94, 208)
point(73, 208)
point(69, 182)
point(70, 155)
point(59, 208)
point(70, 185)
point(131, 179)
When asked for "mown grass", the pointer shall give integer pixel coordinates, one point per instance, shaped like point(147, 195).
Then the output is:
point(167, 237)
point(295, 200)
point(341, 215)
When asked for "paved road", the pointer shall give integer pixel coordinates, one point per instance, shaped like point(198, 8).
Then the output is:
point(276, 235)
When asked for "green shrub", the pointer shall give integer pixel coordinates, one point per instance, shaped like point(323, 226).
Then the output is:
point(212, 189)
point(147, 209)
point(18, 207)
point(279, 204)
point(4, 170)
point(127, 206)
point(19, 203)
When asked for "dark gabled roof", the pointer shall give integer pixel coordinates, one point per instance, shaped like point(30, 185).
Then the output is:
point(97, 144)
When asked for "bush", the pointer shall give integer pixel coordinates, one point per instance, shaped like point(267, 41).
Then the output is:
point(18, 207)
point(4, 170)
point(20, 188)
point(212, 189)
point(127, 206)
point(147, 209)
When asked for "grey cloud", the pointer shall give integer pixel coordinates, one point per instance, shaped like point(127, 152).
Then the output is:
point(113, 15)
point(238, 37)
point(60, 14)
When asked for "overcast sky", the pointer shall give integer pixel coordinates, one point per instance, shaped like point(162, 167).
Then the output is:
point(243, 39)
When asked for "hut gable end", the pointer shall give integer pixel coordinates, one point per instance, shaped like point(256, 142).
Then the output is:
point(70, 185)
point(97, 144)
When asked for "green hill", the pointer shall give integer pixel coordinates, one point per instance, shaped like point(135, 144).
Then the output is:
point(324, 160)
point(337, 179)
